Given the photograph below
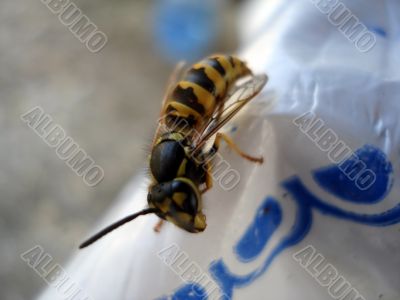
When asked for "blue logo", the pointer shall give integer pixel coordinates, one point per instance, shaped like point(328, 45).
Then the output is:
point(268, 217)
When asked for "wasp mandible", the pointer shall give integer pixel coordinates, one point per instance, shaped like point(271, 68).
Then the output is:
point(193, 111)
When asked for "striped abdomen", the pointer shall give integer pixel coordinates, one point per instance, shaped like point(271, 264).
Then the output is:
point(195, 98)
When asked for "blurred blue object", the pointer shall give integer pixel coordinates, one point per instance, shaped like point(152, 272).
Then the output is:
point(185, 29)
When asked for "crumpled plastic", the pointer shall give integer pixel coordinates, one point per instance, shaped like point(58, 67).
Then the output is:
point(301, 225)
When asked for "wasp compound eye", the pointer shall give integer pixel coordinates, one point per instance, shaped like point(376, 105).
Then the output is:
point(185, 196)
point(159, 192)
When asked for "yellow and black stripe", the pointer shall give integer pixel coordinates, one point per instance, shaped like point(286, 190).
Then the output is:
point(195, 98)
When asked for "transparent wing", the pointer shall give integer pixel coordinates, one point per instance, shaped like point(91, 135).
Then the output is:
point(173, 79)
point(236, 99)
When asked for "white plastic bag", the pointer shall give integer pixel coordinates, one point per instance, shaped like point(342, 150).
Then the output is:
point(299, 226)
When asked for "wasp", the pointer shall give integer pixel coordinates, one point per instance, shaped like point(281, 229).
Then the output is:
point(194, 109)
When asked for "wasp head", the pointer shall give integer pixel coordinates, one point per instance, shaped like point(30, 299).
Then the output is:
point(178, 201)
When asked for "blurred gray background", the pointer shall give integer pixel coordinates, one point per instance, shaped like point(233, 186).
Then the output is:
point(107, 102)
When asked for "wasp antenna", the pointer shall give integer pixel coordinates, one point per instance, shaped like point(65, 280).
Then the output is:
point(115, 225)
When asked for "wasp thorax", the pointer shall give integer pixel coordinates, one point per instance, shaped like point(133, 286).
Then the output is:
point(166, 158)
point(170, 159)
point(179, 202)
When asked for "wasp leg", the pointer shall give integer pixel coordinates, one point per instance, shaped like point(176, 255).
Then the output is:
point(208, 178)
point(234, 147)
point(158, 226)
